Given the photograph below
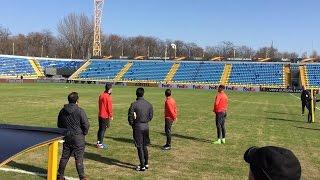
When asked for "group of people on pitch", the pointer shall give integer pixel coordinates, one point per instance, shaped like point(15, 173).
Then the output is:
point(265, 163)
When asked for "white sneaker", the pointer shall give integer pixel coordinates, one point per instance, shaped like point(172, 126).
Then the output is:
point(139, 168)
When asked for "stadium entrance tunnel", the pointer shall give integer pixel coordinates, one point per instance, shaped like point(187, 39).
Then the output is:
point(15, 140)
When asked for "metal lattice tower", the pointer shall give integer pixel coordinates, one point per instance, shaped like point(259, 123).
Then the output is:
point(98, 8)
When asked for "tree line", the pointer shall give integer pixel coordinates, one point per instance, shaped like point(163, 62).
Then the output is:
point(74, 39)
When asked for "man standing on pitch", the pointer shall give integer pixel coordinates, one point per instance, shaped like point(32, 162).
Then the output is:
point(74, 119)
point(303, 97)
point(140, 113)
point(220, 109)
point(105, 114)
point(170, 115)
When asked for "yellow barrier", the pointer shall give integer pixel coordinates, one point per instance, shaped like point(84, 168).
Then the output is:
point(312, 106)
point(53, 161)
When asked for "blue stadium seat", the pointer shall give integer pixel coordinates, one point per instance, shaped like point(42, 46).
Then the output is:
point(258, 74)
point(13, 66)
point(313, 74)
point(102, 70)
point(201, 72)
point(148, 71)
point(68, 64)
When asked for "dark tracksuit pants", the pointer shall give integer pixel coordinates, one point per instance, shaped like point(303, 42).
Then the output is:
point(309, 113)
point(141, 140)
point(77, 151)
point(220, 121)
point(303, 105)
point(103, 125)
point(167, 130)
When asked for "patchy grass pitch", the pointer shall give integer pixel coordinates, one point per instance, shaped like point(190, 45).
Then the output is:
point(253, 119)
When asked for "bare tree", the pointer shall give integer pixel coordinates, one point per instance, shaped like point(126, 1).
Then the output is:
point(77, 31)
point(4, 40)
point(267, 52)
point(314, 54)
point(244, 52)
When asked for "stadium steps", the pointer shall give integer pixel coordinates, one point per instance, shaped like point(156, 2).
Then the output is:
point(287, 75)
point(139, 58)
point(172, 72)
point(75, 75)
point(37, 68)
point(123, 71)
point(180, 58)
point(226, 74)
point(303, 73)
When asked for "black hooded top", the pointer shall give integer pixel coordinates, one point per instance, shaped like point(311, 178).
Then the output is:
point(74, 119)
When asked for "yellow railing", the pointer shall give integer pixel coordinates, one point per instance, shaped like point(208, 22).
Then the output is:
point(36, 66)
point(81, 69)
point(287, 75)
point(226, 73)
point(123, 71)
point(172, 72)
point(303, 74)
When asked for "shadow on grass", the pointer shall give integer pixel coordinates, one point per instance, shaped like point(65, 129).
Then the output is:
point(273, 112)
point(121, 139)
point(187, 137)
point(109, 161)
point(130, 141)
point(307, 128)
point(91, 145)
point(29, 168)
point(281, 119)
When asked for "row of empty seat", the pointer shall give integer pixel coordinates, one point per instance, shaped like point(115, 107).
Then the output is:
point(258, 74)
point(254, 74)
point(148, 71)
point(203, 72)
point(102, 70)
point(59, 64)
point(15, 67)
point(313, 74)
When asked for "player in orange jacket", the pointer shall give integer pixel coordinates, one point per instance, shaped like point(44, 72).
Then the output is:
point(220, 107)
point(105, 114)
point(170, 115)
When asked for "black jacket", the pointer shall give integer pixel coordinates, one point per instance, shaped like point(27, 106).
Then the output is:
point(74, 119)
point(304, 94)
point(143, 110)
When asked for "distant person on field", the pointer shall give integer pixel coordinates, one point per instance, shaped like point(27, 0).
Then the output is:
point(140, 113)
point(303, 98)
point(272, 163)
point(309, 105)
point(170, 115)
point(220, 109)
point(105, 114)
point(73, 118)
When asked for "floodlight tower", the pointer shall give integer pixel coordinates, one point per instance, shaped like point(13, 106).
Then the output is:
point(98, 8)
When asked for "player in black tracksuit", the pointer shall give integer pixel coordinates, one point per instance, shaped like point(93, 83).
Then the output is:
point(140, 113)
point(303, 98)
point(308, 104)
point(74, 119)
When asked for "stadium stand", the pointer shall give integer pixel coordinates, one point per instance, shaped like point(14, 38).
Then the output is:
point(203, 72)
point(14, 66)
point(102, 70)
point(257, 74)
point(58, 63)
point(312, 75)
point(152, 71)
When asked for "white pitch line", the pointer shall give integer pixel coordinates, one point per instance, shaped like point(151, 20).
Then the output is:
point(262, 103)
point(299, 99)
point(31, 173)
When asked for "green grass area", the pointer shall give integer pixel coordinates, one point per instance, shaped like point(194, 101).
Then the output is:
point(258, 119)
